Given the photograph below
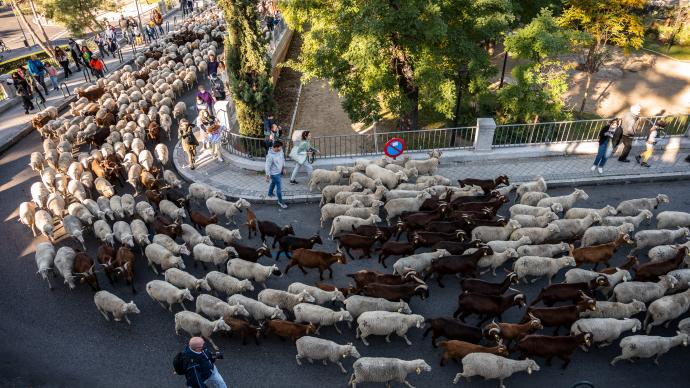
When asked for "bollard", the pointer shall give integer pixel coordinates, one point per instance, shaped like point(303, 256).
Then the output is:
point(64, 89)
point(87, 75)
point(167, 26)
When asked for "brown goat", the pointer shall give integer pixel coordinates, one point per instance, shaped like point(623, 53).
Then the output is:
point(598, 254)
point(364, 277)
point(106, 256)
point(632, 261)
point(252, 223)
point(355, 241)
point(487, 306)
point(124, 262)
point(244, 328)
point(512, 331)
point(550, 347)
point(650, 272)
point(486, 184)
point(83, 270)
point(347, 291)
point(200, 220)
point(285, 329)
point(396, 248)
point(395, 292)
point(457, 350)
point(315, 259)
point(563, 316)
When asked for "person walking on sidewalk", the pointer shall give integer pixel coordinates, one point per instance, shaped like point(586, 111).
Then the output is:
point(300, 154)
point(24, 91)
point(75, 52)
point(63, 61)
point(629, 124)
point(197, 364)
point(124, 28)
point(52, 73)
point(185, 134)
point(33, 84)
point(97, 66)
point(211, 66)
point(650, 142)
point(206, 98)
point(37, 70)
point(157, 19)
point(215, 135)
point(275, 164)
point(605, 145)
point(100, 42)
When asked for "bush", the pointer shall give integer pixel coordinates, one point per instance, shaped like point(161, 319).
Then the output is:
point(11, 65)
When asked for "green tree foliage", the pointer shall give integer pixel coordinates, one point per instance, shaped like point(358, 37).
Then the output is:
point(540, 79)
point(248, 65)
point(78, 16)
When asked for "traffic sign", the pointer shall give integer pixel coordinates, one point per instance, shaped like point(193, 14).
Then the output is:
point(394, 147)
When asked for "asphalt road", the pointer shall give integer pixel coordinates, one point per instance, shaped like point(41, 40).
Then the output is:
point(58, 339)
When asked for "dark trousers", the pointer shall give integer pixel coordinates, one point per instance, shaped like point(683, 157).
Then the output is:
point(77, 59)
point(65, 67)
point(627, 145)
point(26, 101)
point(42, 81)
point(38, 91)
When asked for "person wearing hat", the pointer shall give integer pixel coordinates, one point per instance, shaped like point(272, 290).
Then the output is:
point(629, 124)
point(97, 66)
point(186, 136)
point(198, 364)
point(214, 132)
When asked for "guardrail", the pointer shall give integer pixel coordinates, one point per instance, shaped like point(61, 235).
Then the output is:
point(64, 89)
point(87, 74)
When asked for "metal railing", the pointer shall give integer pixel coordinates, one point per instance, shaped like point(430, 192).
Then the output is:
point(64, 89)
point(515, 135)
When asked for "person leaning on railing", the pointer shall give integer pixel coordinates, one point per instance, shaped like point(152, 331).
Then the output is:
point(300, 153)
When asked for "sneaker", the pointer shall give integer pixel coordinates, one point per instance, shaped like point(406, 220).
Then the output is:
point(294, 182)
point(192, 168)
point(638, 158)
point(644, 164)
point(624, 160)
point(282, 205)
point(594, 167)
point(220, 159)
point(601, 170)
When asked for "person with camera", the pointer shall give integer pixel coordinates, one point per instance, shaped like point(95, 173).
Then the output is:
point(197, 364)
point(300, 154)
point(185, 133)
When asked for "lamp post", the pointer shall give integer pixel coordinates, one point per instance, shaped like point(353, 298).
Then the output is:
point(141, 25)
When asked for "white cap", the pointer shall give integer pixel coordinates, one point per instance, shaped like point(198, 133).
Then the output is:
point(635, 109)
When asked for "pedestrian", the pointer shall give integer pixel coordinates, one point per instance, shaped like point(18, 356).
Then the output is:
point(157, 19)
point(63, 61)
point(204, 120)
point(75, 51)
point(52, 73)
point(86, 55)
point(190, 6)
point(33, 84)
point(150, 30)
point(124, 28)
point(197, 364)
point(275, 166)
point(110, 33)
point(24, 91)
point(650, 142)
point(215, 135)
point(223, 75)
point(211, 66)
point(629, 124)
point(37, 70)
point(112, 46)
point(97, 66)
point(300, 154)
point(185, 133)
point(100, 42)
point(605, 145)
point(206, 98)
point(138, 37)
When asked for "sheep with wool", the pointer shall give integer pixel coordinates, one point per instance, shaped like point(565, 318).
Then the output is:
point(647, 346)
point(194, 324)
point(491, 366)
point(567, 201)
point(220, 233)
point(332, 210)
point(215, 308)
point(202, 192)
point(64, 261)
point(495, 260)
point(643, 291)
point(321, 316)
point(683, 278)
point(427, 166)
point(579, 275)
point(192, 237)
point(652, 238)
point(501, 246)
point(217, 206)
point(597, 235)
point(140, 233)
point(582, 212)
point(170, 244)
point(537, 266)
point(493, 233)
point(256, 309)
point(182, 279)
point(158, 254)
point(388, 178)
point(358, 304)
point(419, 262)
point(616, 310)
point(532, 198)
point(534, 210)
point(321, 178)
point(385, 370)
point(320, 296)
point(45, 258)
point(247, 270)
point(387, 323)
point(103, 232)
point(283, 299)
point(329, 192)
point(346, 223)
point(668, 219)
point(365, 196)
point(538, 184)
point(527, 221)
point(633, 207)
point(536, 235)
point(73, 228)
point(161, 291)
point(313, 348)
point(543, 250)
point(107, 303)
point(666, 309)
point(220, 282)
point(123, 233)
point(170, 210)
point(212, 255)
point(604, 330)
point(104, 204)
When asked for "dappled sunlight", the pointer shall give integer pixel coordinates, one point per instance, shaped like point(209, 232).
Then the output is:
point(670, 153)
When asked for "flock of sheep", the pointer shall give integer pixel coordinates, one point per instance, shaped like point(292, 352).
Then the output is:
point(455, 228)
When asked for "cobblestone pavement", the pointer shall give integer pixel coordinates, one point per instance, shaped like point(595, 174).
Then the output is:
point(573, 169)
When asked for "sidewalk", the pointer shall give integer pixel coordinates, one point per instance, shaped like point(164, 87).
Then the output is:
point(557, 170)
point(14, 124)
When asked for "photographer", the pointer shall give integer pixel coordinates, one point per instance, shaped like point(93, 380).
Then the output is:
point(197, 363)
point(301, 153)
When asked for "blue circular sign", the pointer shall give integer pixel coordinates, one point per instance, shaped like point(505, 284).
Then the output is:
point(394, 147)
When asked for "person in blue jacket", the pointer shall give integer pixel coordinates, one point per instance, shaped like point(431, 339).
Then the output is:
point(199, 366)
point(38, 70)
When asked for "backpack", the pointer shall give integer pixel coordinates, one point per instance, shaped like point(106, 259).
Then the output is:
point(179, 364)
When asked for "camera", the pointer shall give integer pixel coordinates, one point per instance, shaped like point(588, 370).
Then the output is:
point(218, 355)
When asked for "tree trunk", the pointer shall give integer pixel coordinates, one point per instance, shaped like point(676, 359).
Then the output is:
point(43, 31)
point(590, 65)
point(45, 45)
point(584, 98)
point(459, 86)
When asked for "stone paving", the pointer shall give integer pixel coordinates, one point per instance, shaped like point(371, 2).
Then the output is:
point(563, 170)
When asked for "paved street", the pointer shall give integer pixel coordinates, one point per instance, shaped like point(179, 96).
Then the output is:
point(58, 339)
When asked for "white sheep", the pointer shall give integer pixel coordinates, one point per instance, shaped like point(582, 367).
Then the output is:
point(169, 243)
point(140, 233)
point(73, 228)
point(534, 210)
point(103, 232)
point(683, 277)
point(202, 192)
point(537, 266)
point(116, 206)
point(632, 207)
point(247, 270)
point(502, 246)
point(543, 250)
point(191, 236)
point(537, 185)
point(157, 254)
point(64, 261)
point(56, 204)
point(643, 291)
point(217, 206)
point(666, 309)
point(644, 215)
point(387, 323)
point(161, 291)
point(215, 308)
point(182, 279)
point(597, 235)
point(652, 238)
point(398, 193)
point(172, 179)
point(313, 348)
point(365, 197)
point(358, 304)
point(582, 212)
point(532, 198)
point(145, 211)
point(536, 235)
point(615, 310)
point(171, 210)
point(495, 260)
point(39, 194)
point(320, 296)
point(419, 262)
point(646, 346)
point(321, 178)
point(666, 252)
point(44, 223)
point(123, 233)
point(684, 325)
point(427, 166)
point(104, 204)
point(106, 303)
point(491, 366)
point(346, 223)
point(396, 207)
point(567, 201)
point(194, 324)
point(667, 219)
point(579, 275)
point(256, 309)
point(128, 204)
point(162, 155)
point(573, 229)
point(604, 330)
point(342, 197)
point(220, 233)
point(385, 370)
point(388, 178)
point(332, 210)
point(283, 299)
point(45, 258)
point(321, 316)
point(493, 233)
point(212, 255)
point(329, 192)
point(104, 187)
point(27, 215)
point(527, 221)
point(364, 212)
point(220, 282)
point(434, 180)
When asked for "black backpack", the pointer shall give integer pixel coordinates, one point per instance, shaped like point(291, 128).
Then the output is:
point(179, 364)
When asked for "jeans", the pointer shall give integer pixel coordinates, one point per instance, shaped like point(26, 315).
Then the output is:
point(627, 145)
point(215, 380)
point(601, 158)
point(42, 81)
point(65, 67)
point(276, 184)
point(297, 168)
point(54, 82)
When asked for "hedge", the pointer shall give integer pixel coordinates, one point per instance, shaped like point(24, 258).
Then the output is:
point(11, 65)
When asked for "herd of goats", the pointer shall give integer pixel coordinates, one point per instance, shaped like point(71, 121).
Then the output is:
point(434, 228)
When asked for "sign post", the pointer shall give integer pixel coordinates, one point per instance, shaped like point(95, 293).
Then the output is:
point(394, 147)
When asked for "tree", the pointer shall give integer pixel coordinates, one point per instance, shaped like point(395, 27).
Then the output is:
point(540, 76)
point(39, 36)
point(378, 55)
point(610, 22)
point(82, 14)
